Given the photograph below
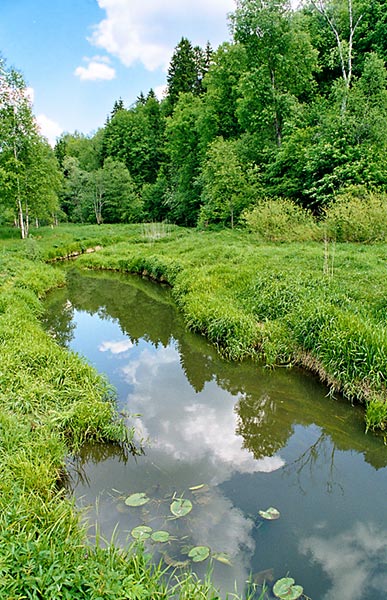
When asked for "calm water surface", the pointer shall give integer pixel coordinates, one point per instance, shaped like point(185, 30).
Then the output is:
point(250, 437)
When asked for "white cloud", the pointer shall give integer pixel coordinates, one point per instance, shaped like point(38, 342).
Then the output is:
point(116, 347)
point(97, 69)
point(160, 91)
point(48, 128)
point(30, 94)
point(148, 31)
point(353, 560)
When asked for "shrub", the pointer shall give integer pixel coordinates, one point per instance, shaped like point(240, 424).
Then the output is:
point(280, 220)
point(357, 215)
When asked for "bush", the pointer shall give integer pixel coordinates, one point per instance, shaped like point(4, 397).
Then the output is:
point(280, 220)
point(357, 216)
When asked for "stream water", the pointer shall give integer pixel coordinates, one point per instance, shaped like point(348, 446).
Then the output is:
point(233, 438)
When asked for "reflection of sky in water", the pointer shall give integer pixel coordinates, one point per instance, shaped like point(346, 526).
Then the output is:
point(191, 435)
point(192, 439)
point(355, 561)
point(186, 425)
point(322, 495)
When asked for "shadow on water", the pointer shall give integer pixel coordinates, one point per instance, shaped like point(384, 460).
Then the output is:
point(230, 438)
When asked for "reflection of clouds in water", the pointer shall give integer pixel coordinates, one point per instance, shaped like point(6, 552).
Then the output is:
point(210, 431)
point(148, 364)
point(188, 426)
point(116, 347)
point(354, 561)
point(224, 528)
point(193, 434)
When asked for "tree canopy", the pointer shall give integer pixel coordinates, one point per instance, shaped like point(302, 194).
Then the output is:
point(293, 107)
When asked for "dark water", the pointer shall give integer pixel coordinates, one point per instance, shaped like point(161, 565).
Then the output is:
point(250, 437)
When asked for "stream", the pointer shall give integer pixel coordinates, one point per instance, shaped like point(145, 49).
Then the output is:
point(233, 439)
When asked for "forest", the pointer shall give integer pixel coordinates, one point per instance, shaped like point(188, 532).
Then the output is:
point(292, 109)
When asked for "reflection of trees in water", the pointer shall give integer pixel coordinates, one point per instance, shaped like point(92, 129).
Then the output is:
point(95, 453)
point(321, 452)
point(58, 318)
point(268, 404)
point(258, 423)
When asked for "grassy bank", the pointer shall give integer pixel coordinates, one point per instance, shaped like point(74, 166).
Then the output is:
point(50, 403)
point(320, 305)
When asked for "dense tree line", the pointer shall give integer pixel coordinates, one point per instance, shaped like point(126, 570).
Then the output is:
point(294, 106)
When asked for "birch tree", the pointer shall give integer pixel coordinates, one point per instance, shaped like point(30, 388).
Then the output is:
point(17, 132)
point(343, 21)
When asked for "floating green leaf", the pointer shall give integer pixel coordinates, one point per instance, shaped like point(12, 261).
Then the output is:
point(286, 589)
point(271, 514)
point(222, 558)
point(196, 487)
point(142, 532)
point(138, 499)
point(199, 553)
point(181, 507)
point(160, 536)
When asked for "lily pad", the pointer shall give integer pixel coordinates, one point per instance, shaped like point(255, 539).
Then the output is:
point(199, 553)
point(138, 499)
point(286, 589)
point(271, 514)
point(181, 507)
point(142, 532)
point(160, 536)
point(222, 558)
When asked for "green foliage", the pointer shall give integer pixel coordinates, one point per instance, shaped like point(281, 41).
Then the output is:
point(280, 66)
point(280, 220)
point(184, 151)
point(186, 70)
point(228, 187)
point(298, 97)
point(29, 174)
point(357, 215)
point(134, 137)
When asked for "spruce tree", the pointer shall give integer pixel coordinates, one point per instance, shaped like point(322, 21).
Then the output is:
point(183, 71)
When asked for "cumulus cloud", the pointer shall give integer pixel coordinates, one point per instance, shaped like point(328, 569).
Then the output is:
point(97, 69)
point(116, 347)
point(48, 128)
point(147, 32)
point(160, 91)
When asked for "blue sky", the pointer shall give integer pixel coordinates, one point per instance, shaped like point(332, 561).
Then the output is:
point(79, 56)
